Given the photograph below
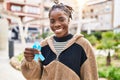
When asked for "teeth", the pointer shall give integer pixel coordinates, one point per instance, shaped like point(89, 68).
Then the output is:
point(58, 30)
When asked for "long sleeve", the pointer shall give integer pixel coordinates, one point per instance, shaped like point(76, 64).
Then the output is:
point(31, 70)
point(88, 70)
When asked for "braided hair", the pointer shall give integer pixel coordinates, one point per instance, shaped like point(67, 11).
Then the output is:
point(67, 9)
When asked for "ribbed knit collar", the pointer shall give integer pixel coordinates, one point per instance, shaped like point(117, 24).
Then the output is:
point(63, 39)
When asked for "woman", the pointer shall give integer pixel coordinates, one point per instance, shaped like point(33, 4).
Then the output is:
point(67, 56)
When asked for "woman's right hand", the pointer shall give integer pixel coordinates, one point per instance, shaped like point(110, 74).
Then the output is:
point(29, 53)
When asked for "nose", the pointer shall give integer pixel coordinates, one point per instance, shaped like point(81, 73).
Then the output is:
point(57, 24)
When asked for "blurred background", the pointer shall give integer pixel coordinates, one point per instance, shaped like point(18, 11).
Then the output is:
point(22, 22)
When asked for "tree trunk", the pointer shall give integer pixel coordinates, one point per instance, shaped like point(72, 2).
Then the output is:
point(108, 59)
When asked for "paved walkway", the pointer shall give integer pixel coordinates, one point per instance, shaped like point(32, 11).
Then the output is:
point(7, 72)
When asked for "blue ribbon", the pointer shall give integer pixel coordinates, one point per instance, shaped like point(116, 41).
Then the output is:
point(37, 46)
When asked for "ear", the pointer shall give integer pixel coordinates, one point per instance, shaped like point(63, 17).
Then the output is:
point(68, 20)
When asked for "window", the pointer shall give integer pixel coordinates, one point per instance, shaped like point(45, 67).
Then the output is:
point(16, 8)
point(91, 10)
point(96, 16)
point(30, 9)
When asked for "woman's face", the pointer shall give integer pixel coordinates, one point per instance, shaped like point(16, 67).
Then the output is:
point(59, 22)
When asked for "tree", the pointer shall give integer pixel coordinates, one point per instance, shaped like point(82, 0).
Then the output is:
point(117, 40)
point(107, 42)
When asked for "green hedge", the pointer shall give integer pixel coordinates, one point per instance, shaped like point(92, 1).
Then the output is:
point(111, 73)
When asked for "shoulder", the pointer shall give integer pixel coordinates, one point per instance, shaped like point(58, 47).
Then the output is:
point(81, 40)
point(46, 40)
point(86, 45)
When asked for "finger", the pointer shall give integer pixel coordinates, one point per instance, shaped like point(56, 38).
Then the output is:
point(28, 52)
point(28, 55)
point(34, 51)
point(29, 58)
point(28, 49)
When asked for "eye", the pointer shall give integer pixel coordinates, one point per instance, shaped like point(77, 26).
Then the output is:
point(61, 19)
point(52, 21)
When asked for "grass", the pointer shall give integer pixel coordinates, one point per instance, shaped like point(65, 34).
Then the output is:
point(111, 72)
point(20, 57)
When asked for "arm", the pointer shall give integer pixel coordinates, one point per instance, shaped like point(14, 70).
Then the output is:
point(31, 70)
point(88, 69)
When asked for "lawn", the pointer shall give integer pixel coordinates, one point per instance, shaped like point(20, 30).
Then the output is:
point(111, 72)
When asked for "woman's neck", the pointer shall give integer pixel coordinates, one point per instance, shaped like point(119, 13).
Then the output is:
point(63, 39)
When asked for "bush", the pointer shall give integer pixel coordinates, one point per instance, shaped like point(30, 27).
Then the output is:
point(20, 57)
point(114, 73)
point(92, 39)
point(97, 34)
point(117, 38)
point(111, 72)
point(102, 72)
point(44, 35)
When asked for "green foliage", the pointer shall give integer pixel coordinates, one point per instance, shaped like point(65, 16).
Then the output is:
point(97, 34)
point(84, 33)
point(101, 61)
point(102, 72)
point(108, 35)
point(110, 72)
point(20, 57)
point(92, 39)
point(114, 73)
point(44, 35)
point(117, 53)
point(38, 36)
point(99, 46)
point(107, 41)
point(117, 38)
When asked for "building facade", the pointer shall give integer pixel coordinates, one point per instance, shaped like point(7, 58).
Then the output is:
point(98, 15)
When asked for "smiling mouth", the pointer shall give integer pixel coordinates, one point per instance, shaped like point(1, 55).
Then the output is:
point(58, 30)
